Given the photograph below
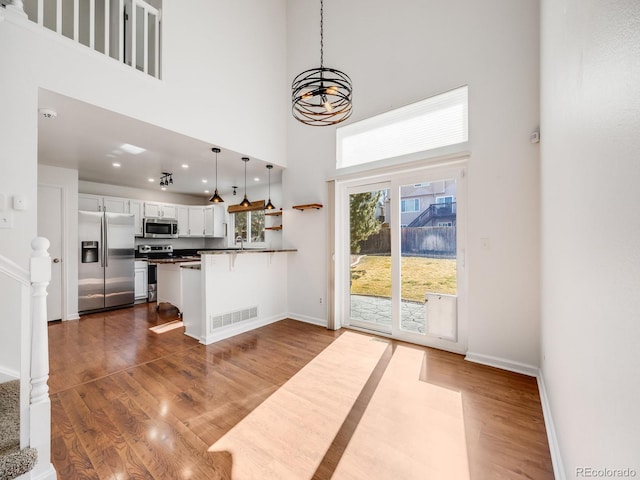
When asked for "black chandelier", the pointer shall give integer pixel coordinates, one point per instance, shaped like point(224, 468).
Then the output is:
point(321, 96)
point(216, 198)
point(166, 179)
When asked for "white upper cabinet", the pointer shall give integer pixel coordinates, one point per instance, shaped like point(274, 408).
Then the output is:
point(169, 211)
point(214, 221)
point(137, 208)
point(100, 203)
point(182, 214)
point(159, 210)
point(196, 221)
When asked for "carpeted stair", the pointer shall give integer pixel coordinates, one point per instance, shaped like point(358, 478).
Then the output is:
point(13, 461)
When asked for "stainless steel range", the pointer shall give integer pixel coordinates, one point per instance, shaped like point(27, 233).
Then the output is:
point(154, 251)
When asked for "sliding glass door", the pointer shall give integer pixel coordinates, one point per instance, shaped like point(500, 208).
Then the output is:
point(369, 258)
point(400, 256)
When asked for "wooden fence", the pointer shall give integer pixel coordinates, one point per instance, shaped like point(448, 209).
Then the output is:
point(419, 241)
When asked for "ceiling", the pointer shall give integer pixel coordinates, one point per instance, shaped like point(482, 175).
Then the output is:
point(90, 139)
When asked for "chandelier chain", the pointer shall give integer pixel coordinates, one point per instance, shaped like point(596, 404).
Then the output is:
point(321, 33)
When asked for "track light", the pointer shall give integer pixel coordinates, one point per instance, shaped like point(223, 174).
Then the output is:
point(166, 179)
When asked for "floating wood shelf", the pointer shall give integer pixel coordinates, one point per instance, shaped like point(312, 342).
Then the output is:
point(273, 214)
point(279, 227)
point(317, 206)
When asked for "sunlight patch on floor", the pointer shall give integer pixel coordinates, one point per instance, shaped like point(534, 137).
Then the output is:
point(410, 429)
point(165, 327)
point(287, 436)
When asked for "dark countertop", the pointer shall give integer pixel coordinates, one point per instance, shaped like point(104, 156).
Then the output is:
point(173, 260)
point(192, 267)
point(246, 250)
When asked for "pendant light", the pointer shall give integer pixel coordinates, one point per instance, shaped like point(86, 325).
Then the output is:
point(269, 205)
point(216, 198)
point(321, 96)
point(245, 202)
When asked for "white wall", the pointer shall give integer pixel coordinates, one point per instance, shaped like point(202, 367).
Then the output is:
point(590, 106)
point(223, 82)
point(401, 52)
point(67, 179)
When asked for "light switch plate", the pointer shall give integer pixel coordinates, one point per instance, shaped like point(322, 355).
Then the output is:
point(6, 220)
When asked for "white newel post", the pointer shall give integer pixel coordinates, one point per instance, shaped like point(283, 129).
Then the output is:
point(40, 404)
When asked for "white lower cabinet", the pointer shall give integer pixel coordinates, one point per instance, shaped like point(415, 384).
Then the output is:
point(141, 280)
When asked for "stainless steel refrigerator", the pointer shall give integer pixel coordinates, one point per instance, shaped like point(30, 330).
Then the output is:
point(106, 264)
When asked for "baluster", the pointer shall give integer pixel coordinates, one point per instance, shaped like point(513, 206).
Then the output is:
point(76, 20)
point(107, 12)
point(157, 45)
point(41, 12)
point(134, 33)
point(92, 23)
point(121, 32)
point(40, 277)
point(59, 16)
point(145, 41)
point(40, 405)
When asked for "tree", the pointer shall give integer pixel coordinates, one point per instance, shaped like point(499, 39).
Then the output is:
point(362, 209)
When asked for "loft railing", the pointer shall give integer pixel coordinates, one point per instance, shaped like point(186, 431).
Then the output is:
point(126, 30)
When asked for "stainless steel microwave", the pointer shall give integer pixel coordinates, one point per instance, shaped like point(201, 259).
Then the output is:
point(160, 228)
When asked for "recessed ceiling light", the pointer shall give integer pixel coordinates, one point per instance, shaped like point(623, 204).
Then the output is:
point(184, 165)
point(204, 180)
point(132, 149)
point(151, 180)
point(206, 191)
point(163, 188)
point(256, 179)
point(116, 164)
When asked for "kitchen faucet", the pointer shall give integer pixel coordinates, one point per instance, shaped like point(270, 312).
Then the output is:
point(241, 239)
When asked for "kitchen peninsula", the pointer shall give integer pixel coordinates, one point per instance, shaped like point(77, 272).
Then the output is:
point(233, 291)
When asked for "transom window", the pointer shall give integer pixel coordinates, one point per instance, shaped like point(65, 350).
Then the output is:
point(435, 122)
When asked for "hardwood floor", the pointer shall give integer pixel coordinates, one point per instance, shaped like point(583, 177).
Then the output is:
point(130, 403)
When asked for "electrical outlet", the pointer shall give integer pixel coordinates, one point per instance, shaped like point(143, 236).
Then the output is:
point(6, 220)
point(320, 299)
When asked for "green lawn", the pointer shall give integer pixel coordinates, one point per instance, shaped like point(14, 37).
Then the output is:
point(372, 276)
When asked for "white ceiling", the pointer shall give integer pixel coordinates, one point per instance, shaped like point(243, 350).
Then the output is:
point(89, 139)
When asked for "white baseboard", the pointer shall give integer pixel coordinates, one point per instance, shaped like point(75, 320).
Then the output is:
point(554, 447)
point(502, 363)
point(238, 328)
point(72, 316)
point(307, 319)
point(7, 374)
